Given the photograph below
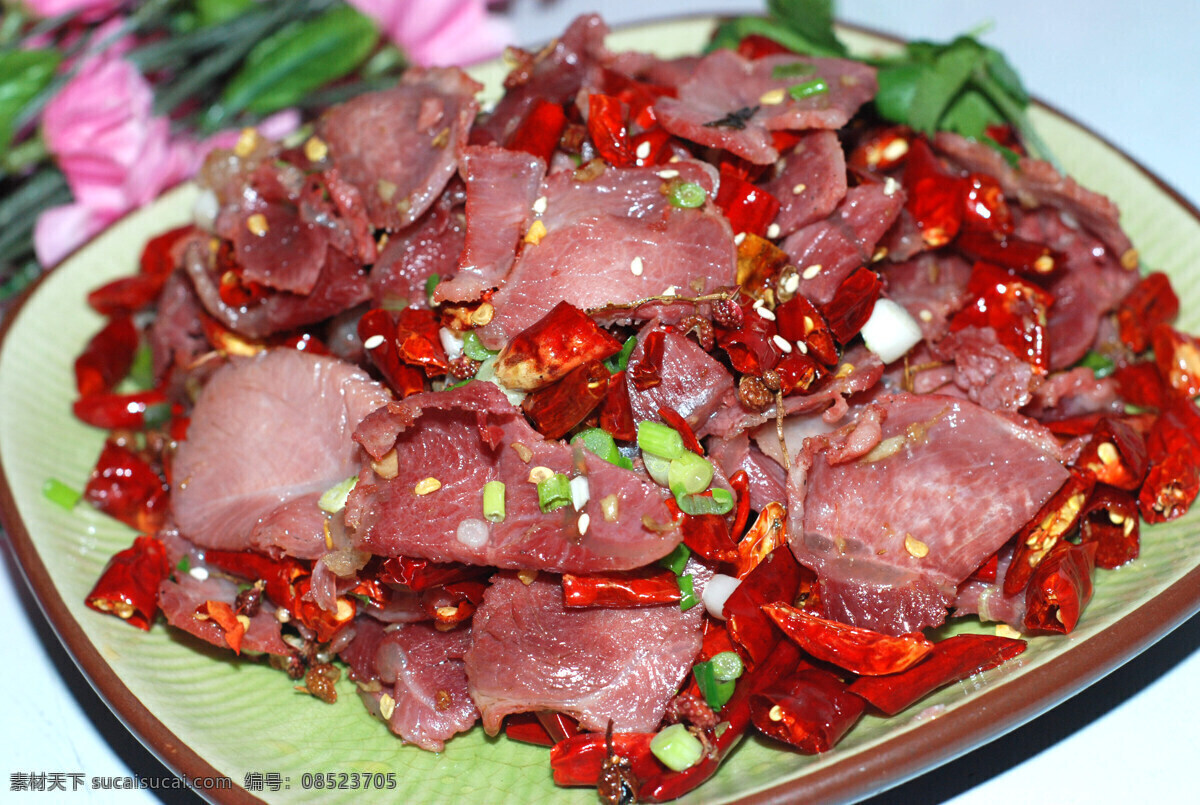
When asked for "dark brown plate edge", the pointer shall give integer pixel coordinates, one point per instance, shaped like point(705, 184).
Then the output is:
point(891, 763)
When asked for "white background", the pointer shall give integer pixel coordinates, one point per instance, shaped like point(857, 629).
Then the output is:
point(1128, 71)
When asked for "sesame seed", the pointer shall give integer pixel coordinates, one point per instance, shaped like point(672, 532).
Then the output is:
point(609, 506)
point(791, 283)
point(315, 149)
point(636, 267)
point(738, 238)
point(257, 224)
point(643, 149)
point(844, 370)
point(670, 291)
point(247, 141)
point(757, 304)
point(345, 610)
point(812, 271)
point(1108, 453)
point(539, 474)
point(809, 324)
point(427, 485)
point(895, 149)
point(772, 97)
point(584, 521)
point(773, 231)
point(540, 205)
point(915, 547)
point(537, 231)
point(775, 713)
point(766, 314)
point(198, 573)
point(890, 186)
point(879, 254)
point(1044, 264)
point(925, 315)
point(374, 342)
point(803, 347)
point(669, 173)
point(799, 188)
point(523, 452)
point(782, 343)
point(387, 706)
point(386, 189)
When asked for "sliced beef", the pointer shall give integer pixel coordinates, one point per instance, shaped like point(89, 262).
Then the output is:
point(421, 671)
point(176, 336)
point(432, 245)
point(181, 597)
point(399, 147)
point(724, 84)
point(893, 533)
point(986, 371)
point(265, 431)
point(768, 481)
point(931, 287)
point(471, 435)
point(529, 652)
point(812, 182)
point(502, 187)
point(693, 382)
point(1075, 392)
point(839, 244)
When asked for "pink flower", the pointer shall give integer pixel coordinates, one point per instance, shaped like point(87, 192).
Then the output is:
point(88, 10)
point(439, 32)
point(116, 155)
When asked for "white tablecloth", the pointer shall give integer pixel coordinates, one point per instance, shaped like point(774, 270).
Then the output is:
point(1125, 71)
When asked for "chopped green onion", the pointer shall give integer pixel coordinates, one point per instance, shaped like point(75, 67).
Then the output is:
point(658, 468)
point(430, 284)
point(618, 362)
point(1100, 365)
point(554, 492)
point(689, 474)
point(493, 501)
point(474, 349)
point(676, 560)
point(60, 494)
point(459, 383)
point(599, 442)
point(624, 462)
point(156, 416)
point(677, 748)
point(727, 666)
point(687, 590)
point(141, 372)
point(184, 564)
point(808, 89)
point(687, 195)
point(659, 439)
point(333, 500)
point(792, 70)
point(715, 691)
point(721, 502)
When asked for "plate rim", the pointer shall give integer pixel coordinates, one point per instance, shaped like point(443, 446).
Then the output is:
point(893, 761)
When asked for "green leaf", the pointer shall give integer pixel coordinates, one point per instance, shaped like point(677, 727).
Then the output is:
point(970, 115)
point(729, 34)
point(1003, 74)
point(897, 89)
point(23, 74)
point(938, 86)
point(214, 12)
point(810, 19)
point(298, 59)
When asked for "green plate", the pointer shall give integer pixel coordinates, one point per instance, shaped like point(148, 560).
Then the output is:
point(205, 713)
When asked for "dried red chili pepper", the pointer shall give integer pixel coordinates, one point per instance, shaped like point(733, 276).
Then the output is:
point(1116, 454)
point(616, 411)
point(1173, 479)
point(610, 133)
point(950, 660)
point(130, 294)
point(1142, 385)
point(883, 150)
point(108, 356)
point(811, 710)
point(578, 760)
point(934, 196)
point(1151, 302)
point(852, 304)
point(798, 373)
point(558, 726)
point(750, 347)
point(672, 418)
point(1009, 251)
point(798, 320)
point(634, 588)
point(749, 208)
point(540, 131)
point(421, 574)
point(740, 483)
point(1015, 308)
point(564, 338)
point(639, 96)
point(1060, 588)
point(768, 533)
point(526, 728)
point(1048, 528)
point(646, 373)
point(669, 785)
point(705, 534)
point(128, 585)
point(985, 209)
point(756, 46)
point(417, 341)
point(306, 611)
point(1177, 356)
point(759, 262)
point(452, 603)
point(377, 332)
point(861, 651)
point(118, 411)
point(986, 572)
point(562, 405)
point(226, 341)
point(124, 486)
point(1110, 520)
point(223, 615)
point(652, 147)
point(305, 342)
point(776, 579)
